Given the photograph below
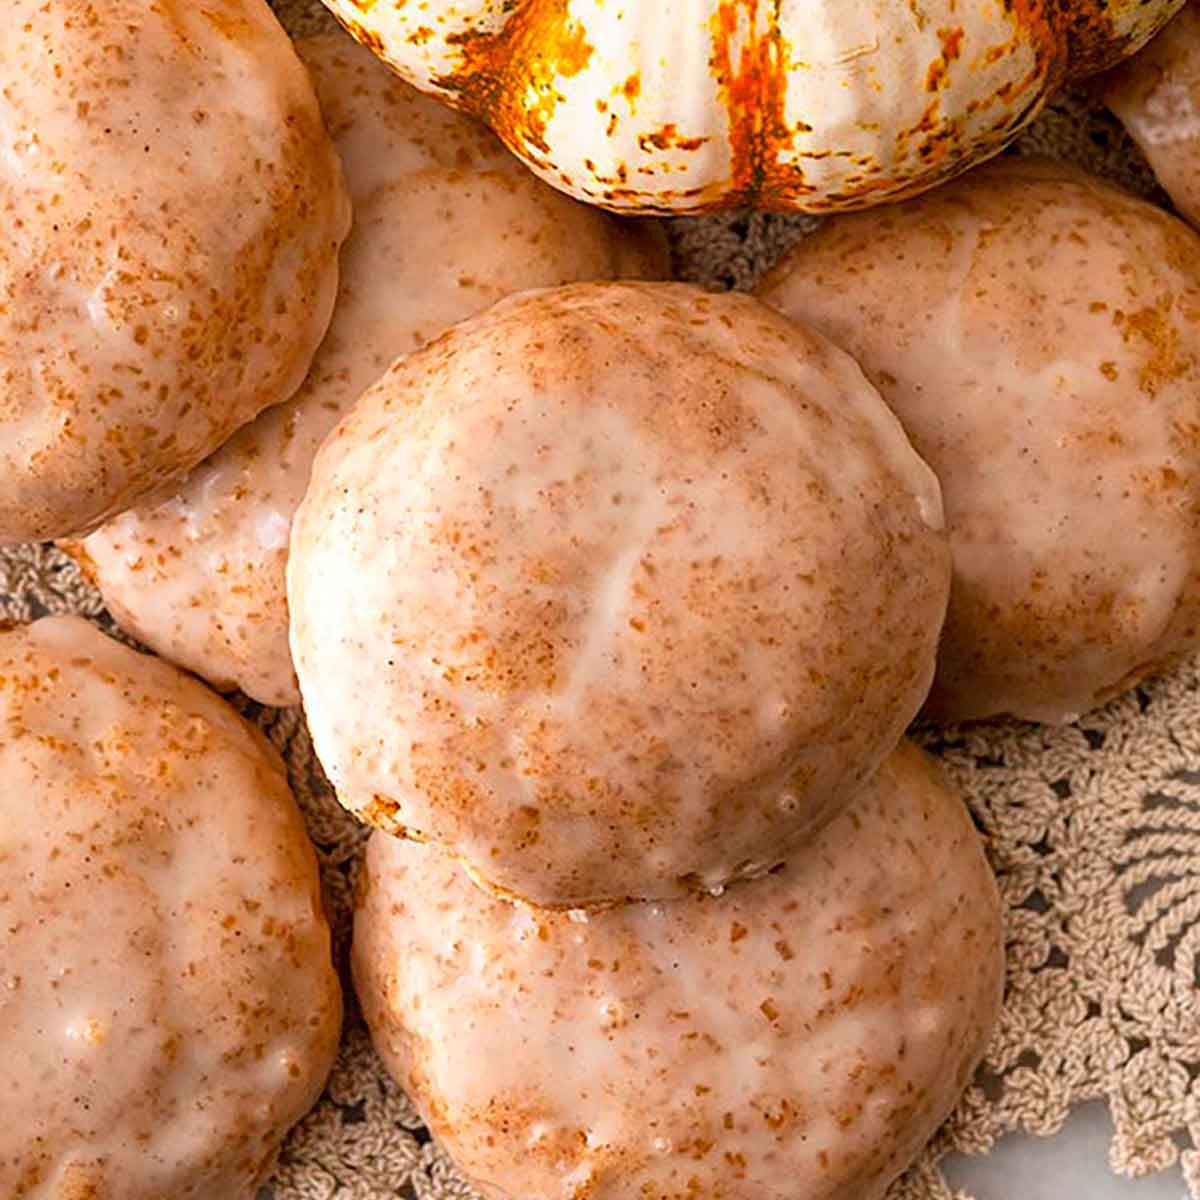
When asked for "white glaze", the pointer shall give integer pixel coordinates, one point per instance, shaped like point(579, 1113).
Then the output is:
point(168, 1008)
point(1038, 334)
point(447, 222)
point(172, 209)
point(683, 105)
point(1157, 97)
point(798, 1038)
point(619, 567)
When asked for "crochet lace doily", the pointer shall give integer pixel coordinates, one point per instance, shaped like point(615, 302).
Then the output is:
point(1093, 830)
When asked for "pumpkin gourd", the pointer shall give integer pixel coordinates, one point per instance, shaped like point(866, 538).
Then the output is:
point(686, 105)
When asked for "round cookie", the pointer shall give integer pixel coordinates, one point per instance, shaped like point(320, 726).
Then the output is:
point(447, 222)
point(802, 1035)
point(172, 208)
point(1037, 331)
point(1156, 95)
point(641, 584)
point(168, 1006)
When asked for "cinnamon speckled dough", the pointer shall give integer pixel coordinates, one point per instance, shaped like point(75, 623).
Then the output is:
point(617, 590)
point(1037, 331)
point(168, 1007)
point(1156, 94)
point(447, 222)
point(798, 1038)
point(172, 209)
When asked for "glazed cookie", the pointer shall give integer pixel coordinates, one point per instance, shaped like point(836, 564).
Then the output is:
point(641, 584)
point(1156, 95)
point(172, 211)
point(168, 1007)
point(801, 1036)
point(1037, 331)
point(447, 222)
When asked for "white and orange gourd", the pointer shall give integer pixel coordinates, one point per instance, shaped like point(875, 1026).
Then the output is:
point(691, 105)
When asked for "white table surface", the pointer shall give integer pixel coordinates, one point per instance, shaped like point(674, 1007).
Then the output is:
point(1073, 1165)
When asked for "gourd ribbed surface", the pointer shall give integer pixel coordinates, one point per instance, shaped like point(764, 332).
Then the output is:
point(687, 105)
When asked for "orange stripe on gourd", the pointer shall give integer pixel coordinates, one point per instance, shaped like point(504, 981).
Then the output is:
point(1092, 41)
point(509, 78)
point(752, 81)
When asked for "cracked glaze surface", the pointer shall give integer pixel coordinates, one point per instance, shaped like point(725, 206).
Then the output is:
point(1037, 331)
point(446, 223)
point(641, 582)
point(172, 209)
point(685, 105)
point(798, 1038)
point(168, 1007)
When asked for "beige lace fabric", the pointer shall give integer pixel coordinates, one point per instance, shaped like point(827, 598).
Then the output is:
point(1093, 829)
